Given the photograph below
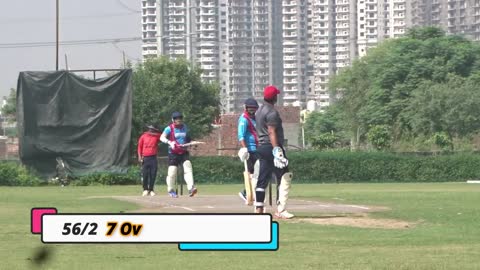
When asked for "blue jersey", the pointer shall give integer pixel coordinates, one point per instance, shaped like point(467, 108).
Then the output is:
point(245, 134)
point(180, 135)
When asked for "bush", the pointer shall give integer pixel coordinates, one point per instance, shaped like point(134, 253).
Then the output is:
point(307, 167)
point(13, 174)
point(379, 136)
point(327, 167)
point(132, 177)
point(325, 141)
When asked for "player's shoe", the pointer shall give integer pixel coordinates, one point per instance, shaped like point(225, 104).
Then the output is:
point(192, 192)
point(284, 215)
point(145, 193)
point(243, 196)
point(259, 210)
point(173, 194)
point(152, 193)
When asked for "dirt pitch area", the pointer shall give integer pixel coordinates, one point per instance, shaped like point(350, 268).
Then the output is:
point(307, 211)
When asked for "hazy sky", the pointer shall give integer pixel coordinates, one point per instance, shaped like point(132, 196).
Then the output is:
point(26, 21)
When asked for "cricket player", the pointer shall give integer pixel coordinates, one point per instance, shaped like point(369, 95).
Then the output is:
point(147, 156)
point(247, 136)
point(271, 153)
point(175, 135)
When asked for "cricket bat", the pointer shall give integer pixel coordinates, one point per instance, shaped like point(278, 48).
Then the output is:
point(192, 143)
point(248, 184)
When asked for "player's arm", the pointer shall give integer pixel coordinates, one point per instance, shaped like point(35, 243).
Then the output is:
point(272, 134)
point(241, 134)
point(279, 159)
point(140, 149)
point(165, 134)
point(272, 123)
point(165, 140)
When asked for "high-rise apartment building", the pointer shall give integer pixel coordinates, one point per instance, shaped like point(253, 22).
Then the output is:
point(237, 43)
point(339, 31)
point(295, 57)
point(295, 44)
point(455, 17)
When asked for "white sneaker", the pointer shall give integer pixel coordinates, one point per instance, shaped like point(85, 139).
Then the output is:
point(145, 193)
point(152, 193)
point(284, 215)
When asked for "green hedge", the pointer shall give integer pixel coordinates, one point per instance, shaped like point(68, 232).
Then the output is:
point(14, 174)
point(333, 167)
point(327, 167)
point(130, 178)
point(307, 167)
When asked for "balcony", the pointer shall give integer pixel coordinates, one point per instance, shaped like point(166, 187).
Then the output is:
point(150, 5)
point(290, 27)
point(181, 52)
point(290, 35)
point(174, 5)
point(291, 11)
point(207, 59)
point(149, 52)
point(206, 52)
point(207, 5)
point(292, 19)
point(209, 67)
point(289, 3)
point(147, 14)
point(148, 22)
point(177, 21)
point(289, 50)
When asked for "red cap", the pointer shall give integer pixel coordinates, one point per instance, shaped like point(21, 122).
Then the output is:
point(270, 92)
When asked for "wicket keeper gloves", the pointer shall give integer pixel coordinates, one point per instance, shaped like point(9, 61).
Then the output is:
point(243, 154)
point(279, 159)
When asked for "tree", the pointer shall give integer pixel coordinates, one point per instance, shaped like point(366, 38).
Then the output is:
point(449, 108)
point(10, 108)
point(352, 86)
point(162, 86)
point(381, 88)
point(325, 129)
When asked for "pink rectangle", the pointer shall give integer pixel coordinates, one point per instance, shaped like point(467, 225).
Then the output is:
point(36, 218)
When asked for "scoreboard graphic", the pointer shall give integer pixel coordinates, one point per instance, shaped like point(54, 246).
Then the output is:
point(191, 232)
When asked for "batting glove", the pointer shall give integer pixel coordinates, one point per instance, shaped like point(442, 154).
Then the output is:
point(279, 159)
point(172, 144)
point(243, 154)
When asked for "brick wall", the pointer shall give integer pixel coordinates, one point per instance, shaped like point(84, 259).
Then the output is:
point(9, 148)
point(223, 139)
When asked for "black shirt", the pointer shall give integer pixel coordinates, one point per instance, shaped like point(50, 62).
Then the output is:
point(266, 116)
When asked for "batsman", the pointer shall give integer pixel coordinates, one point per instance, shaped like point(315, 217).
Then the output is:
point(247, 136)
point(176, 135)
point(272, 155)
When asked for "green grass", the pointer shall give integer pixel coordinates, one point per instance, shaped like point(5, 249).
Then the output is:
point(448, 236)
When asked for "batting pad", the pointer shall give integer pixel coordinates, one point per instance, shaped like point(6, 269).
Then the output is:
point(188, 174)
point(283, 191)
point(171, 177)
